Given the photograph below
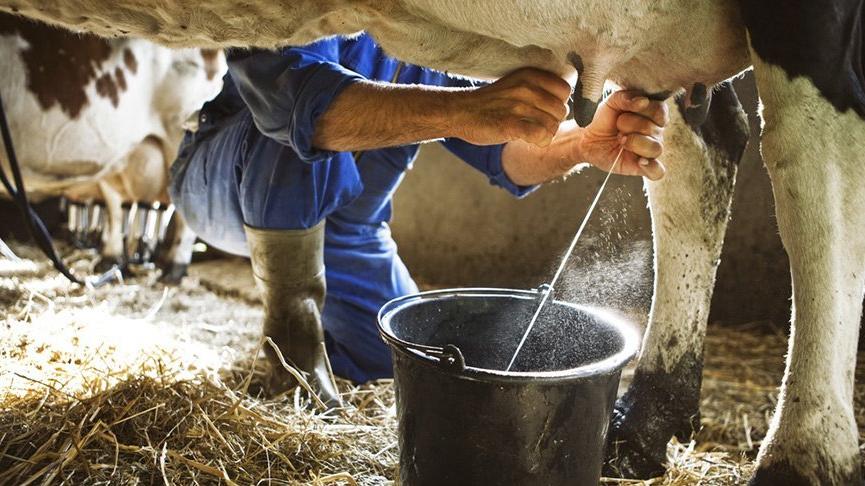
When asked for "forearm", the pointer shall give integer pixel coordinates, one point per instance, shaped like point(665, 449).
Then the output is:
point(368, 115)
point(526, 164)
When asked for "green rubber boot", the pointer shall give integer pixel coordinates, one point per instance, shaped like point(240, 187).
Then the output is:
point(288, 266)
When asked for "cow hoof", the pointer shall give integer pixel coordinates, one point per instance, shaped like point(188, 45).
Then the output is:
point(631, 454)
point(783, 473)
point(815, 443)
point(106, 263)
point(779, 474)
point(797, 454)
point(656, 407)
point(173, 274)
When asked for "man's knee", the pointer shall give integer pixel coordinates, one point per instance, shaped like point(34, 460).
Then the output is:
point(278, 190)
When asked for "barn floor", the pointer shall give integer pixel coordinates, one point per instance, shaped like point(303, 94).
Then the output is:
point(138, 383)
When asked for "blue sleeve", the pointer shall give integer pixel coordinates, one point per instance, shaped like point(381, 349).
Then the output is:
point(287, 91)
point(488, 160)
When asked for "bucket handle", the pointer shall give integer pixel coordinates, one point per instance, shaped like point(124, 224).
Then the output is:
point(449, 356)
point(452, 358)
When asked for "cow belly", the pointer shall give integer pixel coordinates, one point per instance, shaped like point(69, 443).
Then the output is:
point(653, 45)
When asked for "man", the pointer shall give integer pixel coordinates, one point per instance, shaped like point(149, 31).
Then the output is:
point(296, 161)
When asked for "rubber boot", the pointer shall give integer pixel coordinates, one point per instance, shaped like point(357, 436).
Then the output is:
point(288, 266)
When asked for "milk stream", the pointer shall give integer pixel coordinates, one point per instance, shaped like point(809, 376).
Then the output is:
point(549, 289)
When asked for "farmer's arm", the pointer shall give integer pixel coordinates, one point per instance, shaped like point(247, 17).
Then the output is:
point(526, 105)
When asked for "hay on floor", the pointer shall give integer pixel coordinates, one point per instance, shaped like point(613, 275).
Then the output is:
point(154, 431)
point(140, 384)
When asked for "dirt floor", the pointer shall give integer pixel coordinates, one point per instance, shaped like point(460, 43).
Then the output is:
point(138, 383)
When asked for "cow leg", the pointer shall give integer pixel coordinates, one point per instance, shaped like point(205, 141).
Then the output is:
point(175, 261)
point(814, 157)
point(112, 252)
point(690, 208)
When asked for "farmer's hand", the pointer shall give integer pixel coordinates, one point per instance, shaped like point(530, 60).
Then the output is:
point(527, 104)
point(630, 119)
point(624, 119)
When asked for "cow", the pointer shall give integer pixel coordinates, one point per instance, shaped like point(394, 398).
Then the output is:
point(101, 120)
point(807, 61)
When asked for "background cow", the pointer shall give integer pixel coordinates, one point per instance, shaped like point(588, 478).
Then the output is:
point(96, 119)
point(807, 58)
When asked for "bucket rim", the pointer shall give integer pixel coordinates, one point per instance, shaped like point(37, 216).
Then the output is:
point(614, 363)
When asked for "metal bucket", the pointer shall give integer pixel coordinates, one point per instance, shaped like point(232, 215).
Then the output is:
point(463, 420)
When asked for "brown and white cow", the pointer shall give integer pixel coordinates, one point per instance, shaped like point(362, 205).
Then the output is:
point(807, 57)
point(98, 119)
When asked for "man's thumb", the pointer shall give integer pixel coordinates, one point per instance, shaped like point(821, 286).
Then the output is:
point(627, 101)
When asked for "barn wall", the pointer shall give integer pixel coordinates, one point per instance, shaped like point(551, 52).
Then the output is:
point(453, 228)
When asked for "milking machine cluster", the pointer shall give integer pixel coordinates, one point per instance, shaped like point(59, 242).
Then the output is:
point(144, 226)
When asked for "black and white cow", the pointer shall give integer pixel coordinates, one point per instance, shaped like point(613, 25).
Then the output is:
point(99, 119)
point(807, 58)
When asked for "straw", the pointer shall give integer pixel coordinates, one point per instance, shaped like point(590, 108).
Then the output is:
point(127, 410)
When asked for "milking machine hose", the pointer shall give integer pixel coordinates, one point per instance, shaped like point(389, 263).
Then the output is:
point(19, 195)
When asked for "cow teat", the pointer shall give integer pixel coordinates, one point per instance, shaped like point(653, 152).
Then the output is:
point(587, 92)
point(696, 102)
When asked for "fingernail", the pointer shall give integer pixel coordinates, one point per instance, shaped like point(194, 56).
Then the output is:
point(653, 172)
point(641, 102)
point(623, 139)
point(644, 161)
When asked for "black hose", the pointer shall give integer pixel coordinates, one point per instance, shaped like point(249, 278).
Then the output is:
point(19, 195)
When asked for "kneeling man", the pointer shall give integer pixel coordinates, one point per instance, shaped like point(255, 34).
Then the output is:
point(295, 164)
